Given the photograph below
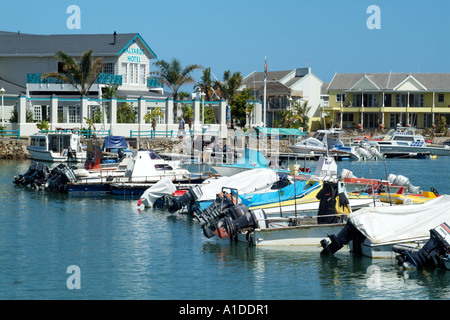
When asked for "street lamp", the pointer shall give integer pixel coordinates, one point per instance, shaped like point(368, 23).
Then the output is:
point(2, 91)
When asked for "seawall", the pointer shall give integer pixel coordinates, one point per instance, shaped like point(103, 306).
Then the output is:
point(14, 148)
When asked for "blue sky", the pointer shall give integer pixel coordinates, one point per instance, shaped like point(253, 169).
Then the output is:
point(329, 35)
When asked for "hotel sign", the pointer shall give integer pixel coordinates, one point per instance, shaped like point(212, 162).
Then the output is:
point(134, 54)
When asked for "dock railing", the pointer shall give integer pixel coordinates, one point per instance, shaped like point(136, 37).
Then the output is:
point(83, 132)
point(11, 133)
point(171, 133)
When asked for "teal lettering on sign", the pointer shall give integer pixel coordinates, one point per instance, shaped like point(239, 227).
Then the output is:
point(134, 51)
point(134, 59)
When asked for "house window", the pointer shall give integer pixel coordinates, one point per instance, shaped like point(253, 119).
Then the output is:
point(142, 74)
point(388, 100)
point(125, 72)
point(441, 97)
point(159, 119)
point(401, 100)
point(417, 100)
point(74, 114)
point(37, 113)
point(108, 68)
point(340, 97)
point(347, 117)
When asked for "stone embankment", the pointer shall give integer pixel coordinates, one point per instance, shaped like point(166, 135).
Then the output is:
point(14, 148)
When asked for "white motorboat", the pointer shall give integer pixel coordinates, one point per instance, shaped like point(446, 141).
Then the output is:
point(373, 231)
point(137, 175)
point(405, 141)
point(56, 147)
point(329, 142)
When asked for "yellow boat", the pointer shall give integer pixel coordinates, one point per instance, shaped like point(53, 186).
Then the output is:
point(400, 198)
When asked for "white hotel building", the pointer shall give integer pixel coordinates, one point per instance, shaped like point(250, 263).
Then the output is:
point(127, 62)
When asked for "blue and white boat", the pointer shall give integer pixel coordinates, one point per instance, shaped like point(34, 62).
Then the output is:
point(56, 147)
point(404, 141)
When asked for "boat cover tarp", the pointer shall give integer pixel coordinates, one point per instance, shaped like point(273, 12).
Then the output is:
point(393, 224)
point(249, 181)
point(115, 142)
point(158, 190)
point(287, 193)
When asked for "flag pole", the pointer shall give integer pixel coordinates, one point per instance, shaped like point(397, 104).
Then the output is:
point(265, 83)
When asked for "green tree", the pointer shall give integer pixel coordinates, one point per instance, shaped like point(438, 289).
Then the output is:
point(81, 75)
point(228, 89)
point(152, 117)
point(126, 113)
point(43, 125)
point(206, 85)
point(188, 115)
point(173, 75)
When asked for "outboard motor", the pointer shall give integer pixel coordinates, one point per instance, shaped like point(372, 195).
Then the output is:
point(347, 234)
point(35, 176)
point(226, 217)
point(432, 253)
point(60, 175)
point(176, 203)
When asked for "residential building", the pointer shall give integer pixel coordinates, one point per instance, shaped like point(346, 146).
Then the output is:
point(283, 89)
point(369, 100)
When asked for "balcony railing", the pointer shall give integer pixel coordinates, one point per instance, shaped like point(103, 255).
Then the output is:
point(153, 83)
point(103, 78)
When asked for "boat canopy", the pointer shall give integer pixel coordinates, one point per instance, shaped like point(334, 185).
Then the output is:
point(393, 224)
point(280, 131)
point(294, 190)
point(115, 142)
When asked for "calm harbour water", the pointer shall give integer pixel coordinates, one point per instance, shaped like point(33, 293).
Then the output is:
point(124, 253)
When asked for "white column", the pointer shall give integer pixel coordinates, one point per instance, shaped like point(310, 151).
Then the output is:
point(22, 110)
point(196, 112)
point(169, 112)
point(112, 114)
point(54, 111)
point(84, 110)
point(142, 110)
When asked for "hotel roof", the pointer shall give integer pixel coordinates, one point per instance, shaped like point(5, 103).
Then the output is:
point(390, 81)
point(21, 44)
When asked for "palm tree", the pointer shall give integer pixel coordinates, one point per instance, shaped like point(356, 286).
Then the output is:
point(153, 117)
point(206, 85)
point(81, 75)
point(228, 88)
point(174, 76)
point(188, 115)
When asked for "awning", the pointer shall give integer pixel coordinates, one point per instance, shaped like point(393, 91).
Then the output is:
point(280, 131)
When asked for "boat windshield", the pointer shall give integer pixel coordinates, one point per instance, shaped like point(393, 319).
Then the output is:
point(319, 135)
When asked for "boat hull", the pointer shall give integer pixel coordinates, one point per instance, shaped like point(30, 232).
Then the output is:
point(391, 151)
point(307, 235)
point(49, 156)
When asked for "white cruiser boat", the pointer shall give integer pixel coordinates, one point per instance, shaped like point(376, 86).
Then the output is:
point(54, 147)
point(406, 141)
point(328, 142)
